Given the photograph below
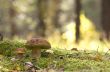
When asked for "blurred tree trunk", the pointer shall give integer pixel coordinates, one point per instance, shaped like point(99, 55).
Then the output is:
point(48, 18)
point(52, 16)
point(12, 15)
point(40, 29)
point(78, 8)
point(55, 9)
point(106, 17)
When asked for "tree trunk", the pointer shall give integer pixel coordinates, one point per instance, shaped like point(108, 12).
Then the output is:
point(78, 8)
point(106, 17)
point(52, 17)
point(40, 29)
point(12, 15)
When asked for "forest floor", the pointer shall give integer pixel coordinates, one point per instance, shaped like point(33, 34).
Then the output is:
point(62, 61)
point(57, 60)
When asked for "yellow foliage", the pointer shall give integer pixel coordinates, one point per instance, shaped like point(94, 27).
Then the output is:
point(89, 36)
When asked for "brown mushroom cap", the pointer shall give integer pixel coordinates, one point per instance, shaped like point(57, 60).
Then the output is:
point(20, 50)
point(38, 43)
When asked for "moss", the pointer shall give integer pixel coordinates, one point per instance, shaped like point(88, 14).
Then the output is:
point(7, 47)
point(77, 62)
point(81, 62)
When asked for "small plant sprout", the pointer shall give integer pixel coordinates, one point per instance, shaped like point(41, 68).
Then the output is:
point(36, 44)
point(98, 56)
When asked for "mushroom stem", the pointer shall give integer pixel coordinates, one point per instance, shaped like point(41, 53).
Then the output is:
point(36, 52)
point(20, 56)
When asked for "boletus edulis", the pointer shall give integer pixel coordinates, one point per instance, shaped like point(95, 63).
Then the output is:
point(36, 44)
point(20, 53)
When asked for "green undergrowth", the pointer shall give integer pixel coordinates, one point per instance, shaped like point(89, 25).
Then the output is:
point(69, 61)
point(7, 47)
point(79, 61)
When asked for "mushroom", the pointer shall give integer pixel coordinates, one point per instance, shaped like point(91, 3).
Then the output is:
point(20, 52)
point(36, 44)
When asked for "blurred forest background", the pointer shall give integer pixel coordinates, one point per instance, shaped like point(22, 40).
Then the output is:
point(63, 22)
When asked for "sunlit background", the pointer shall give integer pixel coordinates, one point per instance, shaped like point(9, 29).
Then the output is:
point(55, 21)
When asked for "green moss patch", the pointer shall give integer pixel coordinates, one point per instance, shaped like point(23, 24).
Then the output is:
point(7, 47)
